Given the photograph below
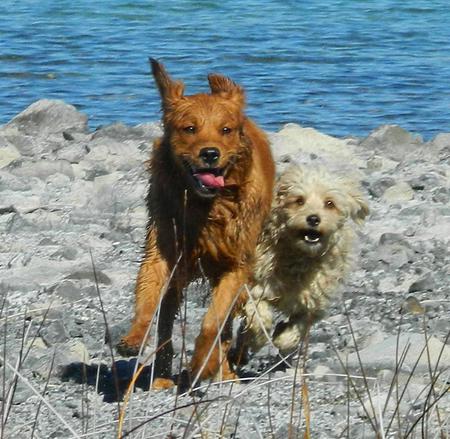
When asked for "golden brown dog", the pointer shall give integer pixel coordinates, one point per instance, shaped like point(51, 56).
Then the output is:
point(212, 177)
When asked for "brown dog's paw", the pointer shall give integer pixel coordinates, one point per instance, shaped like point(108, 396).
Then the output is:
point(162, 383)
point(127, 350)
point(226, 375)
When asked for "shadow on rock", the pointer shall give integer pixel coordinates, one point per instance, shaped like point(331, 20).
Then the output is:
point(256, 367)
point(113, 381)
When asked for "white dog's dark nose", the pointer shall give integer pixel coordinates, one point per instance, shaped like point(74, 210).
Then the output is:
point(313, 220)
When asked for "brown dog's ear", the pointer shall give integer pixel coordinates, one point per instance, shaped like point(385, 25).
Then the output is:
point(225, 87)
point(169, 89)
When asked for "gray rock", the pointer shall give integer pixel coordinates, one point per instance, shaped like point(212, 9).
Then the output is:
point(73, 153)
point(378, 187)
point(381, 164)
point(425, 283)
point(121, 132)
point(68, 291)
point(383, 355)
point(109, 155)
point(9, 182)
point(441, 195)
point(101, 277)
point(398, 193)
point(22, 202)
point(374, 406)
point(49, 116)
point(8, 154)
point(71, 351)
point(47, 242)
point(393, 238)
point(55, 332)
point(429, 218)
point(14, 386)
point(441, 142)
point(396, 255)
point(42, 169)
point(45, 219)
point(17, 283)
point(427, 181)
point(413, 210)
point(393, 142)
point(68, 253)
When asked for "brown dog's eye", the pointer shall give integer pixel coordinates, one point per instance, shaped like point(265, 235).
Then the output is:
point(329, 204)
point(300, 201)
point(189, 129)
point(226, 130)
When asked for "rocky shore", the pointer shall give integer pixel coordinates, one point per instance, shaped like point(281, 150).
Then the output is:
point(72, 199)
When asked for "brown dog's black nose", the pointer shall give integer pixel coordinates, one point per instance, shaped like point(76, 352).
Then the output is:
point(313, 220)
point(209, 156)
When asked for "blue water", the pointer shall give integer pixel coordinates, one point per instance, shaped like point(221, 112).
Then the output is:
point(341, 66)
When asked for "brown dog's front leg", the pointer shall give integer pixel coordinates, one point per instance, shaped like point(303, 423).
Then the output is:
point(151, 285)
point(226, 295)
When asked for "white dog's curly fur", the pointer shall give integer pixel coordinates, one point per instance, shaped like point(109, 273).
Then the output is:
point(303, 255)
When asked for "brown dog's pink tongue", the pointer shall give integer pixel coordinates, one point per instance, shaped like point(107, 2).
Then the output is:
point(211, 180)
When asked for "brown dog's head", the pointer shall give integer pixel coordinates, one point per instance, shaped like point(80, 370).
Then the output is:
point(203, 130)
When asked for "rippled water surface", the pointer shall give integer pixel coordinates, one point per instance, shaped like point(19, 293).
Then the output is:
point(343, 67)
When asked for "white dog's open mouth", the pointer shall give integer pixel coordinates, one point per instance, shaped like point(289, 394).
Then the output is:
point(311, 236)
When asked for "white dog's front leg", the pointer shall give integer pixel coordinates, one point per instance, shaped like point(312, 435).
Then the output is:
point(258, 323)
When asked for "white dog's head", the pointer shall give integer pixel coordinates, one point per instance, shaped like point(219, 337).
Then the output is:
point(312, 206)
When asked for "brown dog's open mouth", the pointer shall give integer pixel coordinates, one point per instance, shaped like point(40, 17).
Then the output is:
point(206, 181)
point(310, 236)
point(211, 178)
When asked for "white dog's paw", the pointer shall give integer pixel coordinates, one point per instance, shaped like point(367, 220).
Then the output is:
point(287, 337)
point(258, 323)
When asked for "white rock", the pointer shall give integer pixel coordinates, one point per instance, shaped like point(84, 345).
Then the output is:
point(43, 169)
point(383, 355)
point(298, 142)
point(49, 116)
point(8, 154)
point(373, 406)
point(323, 373)
point(398, 193)
point(381, 164)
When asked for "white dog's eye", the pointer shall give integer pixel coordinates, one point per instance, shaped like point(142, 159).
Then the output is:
point(293, 202)
point(300, 201)
point(329, 204)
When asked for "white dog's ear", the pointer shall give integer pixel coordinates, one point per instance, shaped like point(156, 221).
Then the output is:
point(358, 207)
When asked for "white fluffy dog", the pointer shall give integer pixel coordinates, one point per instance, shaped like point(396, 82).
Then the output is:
point(304, 253)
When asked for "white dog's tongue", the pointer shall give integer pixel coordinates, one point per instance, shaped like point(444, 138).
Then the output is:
point(211, 180)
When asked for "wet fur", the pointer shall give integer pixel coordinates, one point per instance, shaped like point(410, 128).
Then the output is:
point(187, 231)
